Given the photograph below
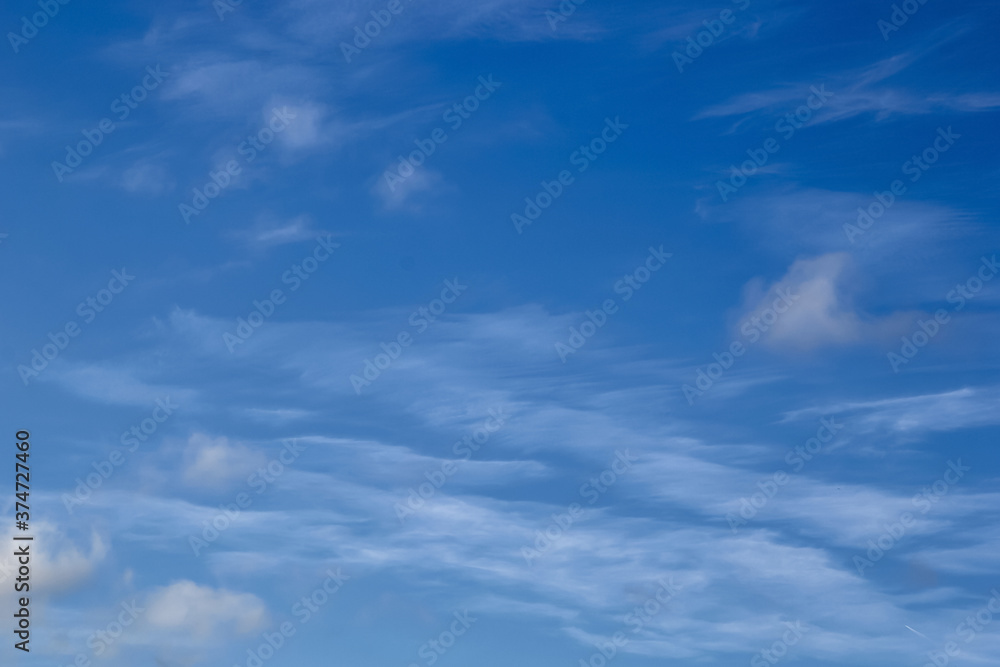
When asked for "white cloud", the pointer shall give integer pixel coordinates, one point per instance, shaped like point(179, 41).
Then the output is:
point(111, 384)
point(857, 92)
point(819, 307)
point(203, 612)
point(211, 461)
point(145, 177)
point(58, 564)
point(307, 128)
point(509, 20)
point(270, 231)
point(232, 87)
point(400, 194)
point(350, 487)
point(969, 407)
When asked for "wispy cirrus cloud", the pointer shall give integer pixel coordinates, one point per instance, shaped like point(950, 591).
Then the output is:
point(860, 91)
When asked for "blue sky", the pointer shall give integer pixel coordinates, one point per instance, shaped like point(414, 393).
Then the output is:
point(509, 333)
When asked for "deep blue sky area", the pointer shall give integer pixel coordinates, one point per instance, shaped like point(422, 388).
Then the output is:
point(512, 332)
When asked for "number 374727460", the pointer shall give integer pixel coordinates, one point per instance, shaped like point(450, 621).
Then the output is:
point(22, 479)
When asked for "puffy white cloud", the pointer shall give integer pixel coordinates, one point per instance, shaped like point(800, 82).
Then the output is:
point(816, 297)
point(202, 612)
point(58, 564)
point(209, 461)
